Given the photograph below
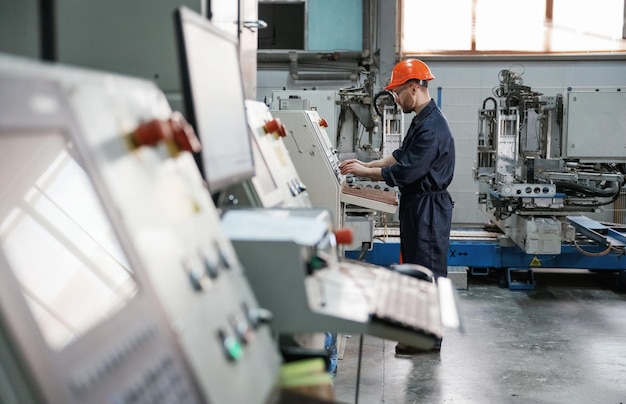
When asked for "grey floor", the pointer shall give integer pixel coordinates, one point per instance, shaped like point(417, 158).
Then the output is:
point(563, 342)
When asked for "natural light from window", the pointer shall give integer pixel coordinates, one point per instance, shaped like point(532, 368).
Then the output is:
point(506, 26)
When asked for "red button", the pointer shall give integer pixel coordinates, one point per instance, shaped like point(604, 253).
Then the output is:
point(344, 235)
point(276, 127)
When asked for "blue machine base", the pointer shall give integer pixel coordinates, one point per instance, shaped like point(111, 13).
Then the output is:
point(489, 254)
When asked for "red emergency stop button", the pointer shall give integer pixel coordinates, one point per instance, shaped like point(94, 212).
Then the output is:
point(276, 127)
point(344, 235)
point(176, 132)
point(323, 123)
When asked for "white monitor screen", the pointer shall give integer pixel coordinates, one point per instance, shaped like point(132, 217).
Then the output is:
point(214, 99)
point(57, 238)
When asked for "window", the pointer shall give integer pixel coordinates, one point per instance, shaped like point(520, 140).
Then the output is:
point(506, 27)
point(285, 25)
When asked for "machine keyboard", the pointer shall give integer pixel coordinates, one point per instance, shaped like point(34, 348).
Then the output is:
point(407, 302)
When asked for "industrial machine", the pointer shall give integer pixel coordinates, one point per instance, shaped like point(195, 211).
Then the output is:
point(276, 182)
point(116, 283)
point(544, 162)
point(550, 171)
point(352, 204)
point(339, 124)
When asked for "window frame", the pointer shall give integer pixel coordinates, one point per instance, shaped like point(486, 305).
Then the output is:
point(473, 54)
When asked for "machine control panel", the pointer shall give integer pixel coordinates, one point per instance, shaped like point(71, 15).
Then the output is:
point(172, 315)
point(277, 181)
point(317, 162)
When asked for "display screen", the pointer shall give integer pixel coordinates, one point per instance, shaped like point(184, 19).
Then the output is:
point(214, 99)
point(57, 238)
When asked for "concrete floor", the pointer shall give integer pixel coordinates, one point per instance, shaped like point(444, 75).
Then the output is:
point(564, 342)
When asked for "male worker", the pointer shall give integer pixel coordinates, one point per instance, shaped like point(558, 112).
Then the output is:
point(422, 169)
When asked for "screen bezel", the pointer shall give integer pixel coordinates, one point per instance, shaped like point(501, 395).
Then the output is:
point(183, 16)
point(39, 106)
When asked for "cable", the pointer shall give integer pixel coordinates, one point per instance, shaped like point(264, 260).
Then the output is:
point(365, 246)
point(592, 254)
point(585, 190)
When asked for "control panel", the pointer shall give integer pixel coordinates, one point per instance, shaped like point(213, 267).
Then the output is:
point(169, 314)
point(314, 157)
point(276, 180)
point(325, 293)
point(317, 163)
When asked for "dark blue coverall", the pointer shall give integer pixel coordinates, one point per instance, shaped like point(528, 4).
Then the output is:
point(424, 169)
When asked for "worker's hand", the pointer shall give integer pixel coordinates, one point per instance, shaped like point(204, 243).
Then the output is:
point(352, 166)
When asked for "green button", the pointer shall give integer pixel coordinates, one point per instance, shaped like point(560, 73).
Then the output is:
point(233, 348)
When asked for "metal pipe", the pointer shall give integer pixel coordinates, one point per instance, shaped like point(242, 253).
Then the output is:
point(295, 75)
point(324, 76)
point(286, 56)
point(367, 29)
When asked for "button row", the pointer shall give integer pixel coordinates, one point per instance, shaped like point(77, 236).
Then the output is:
point(160, 383)
point(205, 268)
point(91, 374)
point(296, 186)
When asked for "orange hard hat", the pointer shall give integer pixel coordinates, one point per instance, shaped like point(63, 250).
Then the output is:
point(408, 69)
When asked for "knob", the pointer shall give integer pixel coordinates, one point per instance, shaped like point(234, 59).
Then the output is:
point(211, 265)
point(258, 316)
point(242, 330)
point(197, 277)
point(301, 185)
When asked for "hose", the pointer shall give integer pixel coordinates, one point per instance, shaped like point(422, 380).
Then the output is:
point(495, 103)
point(377, 96)
point(364, 249)
point(564, 187)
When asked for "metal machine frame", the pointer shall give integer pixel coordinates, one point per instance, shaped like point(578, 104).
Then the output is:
point(542, 174)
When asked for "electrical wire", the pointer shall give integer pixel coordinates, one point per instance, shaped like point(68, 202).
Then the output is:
point(592, 254)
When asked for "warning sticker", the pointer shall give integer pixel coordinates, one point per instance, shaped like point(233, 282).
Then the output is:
point(535, 262)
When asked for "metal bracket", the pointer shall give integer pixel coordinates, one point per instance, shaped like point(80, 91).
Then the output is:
point(603, 235)
point(520, 284)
